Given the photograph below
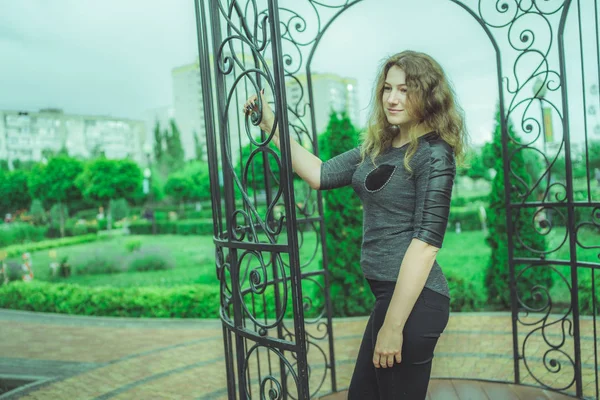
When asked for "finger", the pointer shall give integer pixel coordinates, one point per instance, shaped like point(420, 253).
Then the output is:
point(398, 358)
point(387, 361)
point(376, 360)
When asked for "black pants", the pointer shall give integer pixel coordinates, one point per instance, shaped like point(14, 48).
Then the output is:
point(409, 379)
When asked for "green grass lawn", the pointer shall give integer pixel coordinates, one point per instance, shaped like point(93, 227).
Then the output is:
point(463, 255)
point(193, 256)
point(194, 259)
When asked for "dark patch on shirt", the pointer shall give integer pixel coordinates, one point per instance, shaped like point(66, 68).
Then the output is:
point(377, 178)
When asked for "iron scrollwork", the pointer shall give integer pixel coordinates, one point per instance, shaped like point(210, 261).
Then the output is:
point(256, 272)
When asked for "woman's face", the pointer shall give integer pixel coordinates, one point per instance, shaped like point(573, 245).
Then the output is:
point(394, 97)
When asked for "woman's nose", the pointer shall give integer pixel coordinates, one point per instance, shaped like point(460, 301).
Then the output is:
point(393, 98)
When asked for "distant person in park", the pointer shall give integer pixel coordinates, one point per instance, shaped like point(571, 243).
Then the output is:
point(403, 171)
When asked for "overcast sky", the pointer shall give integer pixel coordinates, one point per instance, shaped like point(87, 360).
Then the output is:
point(114, 57)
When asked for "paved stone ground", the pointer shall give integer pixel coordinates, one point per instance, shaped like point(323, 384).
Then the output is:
point(99, 358)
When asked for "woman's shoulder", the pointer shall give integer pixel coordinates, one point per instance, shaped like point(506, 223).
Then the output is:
point(436, 145)
point(433, 148)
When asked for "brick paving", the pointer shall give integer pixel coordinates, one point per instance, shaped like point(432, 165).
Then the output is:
point(73, 357)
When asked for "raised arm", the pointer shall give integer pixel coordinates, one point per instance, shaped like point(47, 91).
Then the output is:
point(304, 163)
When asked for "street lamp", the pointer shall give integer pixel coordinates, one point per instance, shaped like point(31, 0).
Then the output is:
point(148, 185)
point(147, 177)
point(539, 92)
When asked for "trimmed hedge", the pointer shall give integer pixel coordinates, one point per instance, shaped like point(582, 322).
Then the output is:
point(190, 301)
point(469, 219)
point(464, 295)
point(586, 297)
point(465, 201)
point(16, 250)
point(184, 227)
point(72, 228)
point(19, 232)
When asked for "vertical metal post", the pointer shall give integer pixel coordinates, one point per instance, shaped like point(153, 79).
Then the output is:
point(287, 183)
point(206, 77)
point(229, 202)
point(570, 201)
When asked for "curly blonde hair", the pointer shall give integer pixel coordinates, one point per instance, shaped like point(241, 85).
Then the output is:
point(430, 99)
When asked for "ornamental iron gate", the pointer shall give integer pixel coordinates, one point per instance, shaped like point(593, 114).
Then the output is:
point(268, 226)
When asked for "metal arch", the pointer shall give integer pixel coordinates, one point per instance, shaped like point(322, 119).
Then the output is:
point(279, 268)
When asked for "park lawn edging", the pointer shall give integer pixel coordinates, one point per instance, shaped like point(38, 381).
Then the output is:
point(18, 249)
point(183, 227)
point(190, 301)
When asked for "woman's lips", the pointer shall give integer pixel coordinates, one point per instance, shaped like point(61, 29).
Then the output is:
point(393, 111)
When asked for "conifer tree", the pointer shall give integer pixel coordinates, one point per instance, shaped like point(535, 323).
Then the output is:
point(158, 143)
point(349, 290)
point(524, 233)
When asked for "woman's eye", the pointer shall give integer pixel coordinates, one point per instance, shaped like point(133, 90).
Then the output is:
point(386, 88)
point(403, 90)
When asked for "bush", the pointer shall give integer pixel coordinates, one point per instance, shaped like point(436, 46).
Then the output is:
point(191, 301)
point(119, 209)
point(140, 228)
point(102, 224)
point(350, 293)
point(161, 215)
point(185, 227)
point(17, 250)
point(133, 245)
point(55, 214)
point(469, 218)
point(102, 260)
point(73, 227)
point(150, 260)
point(78, 230)
point(37, 212)
point(464, 295)
point(497, 279)
point(195, 227)
point(89, 214)
point(20, 233)
point(465, 201)
point(204, 214)
point(11, 271)
point(586, 296)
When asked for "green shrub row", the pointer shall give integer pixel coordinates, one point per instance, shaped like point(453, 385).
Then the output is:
point(184, 227)
point(16, 250)
point(191, 301)
point(469, 219)
point(464, 295)
point(586, 297)
point(109, 259)
point(160, 213)
point(19, 233)
point(72, 228)
point(465, 201)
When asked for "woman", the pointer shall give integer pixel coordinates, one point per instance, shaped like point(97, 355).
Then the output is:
point(403, 173)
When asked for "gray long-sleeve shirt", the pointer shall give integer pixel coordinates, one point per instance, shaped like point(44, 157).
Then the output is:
point(398, 206)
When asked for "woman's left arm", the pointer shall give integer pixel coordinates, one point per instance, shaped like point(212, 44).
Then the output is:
point(434, 183)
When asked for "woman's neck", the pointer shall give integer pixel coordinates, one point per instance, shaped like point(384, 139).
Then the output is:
point(403, 136)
